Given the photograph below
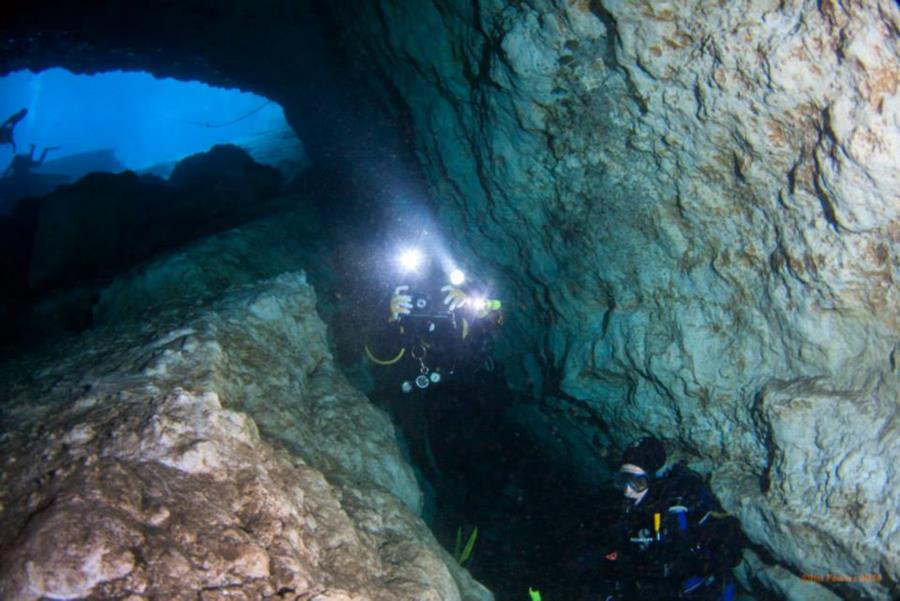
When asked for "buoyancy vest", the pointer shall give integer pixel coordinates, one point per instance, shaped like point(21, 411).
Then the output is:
point(672, 539)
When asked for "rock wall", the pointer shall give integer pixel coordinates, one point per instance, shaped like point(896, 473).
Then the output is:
point(208, 450)
point(694, 205)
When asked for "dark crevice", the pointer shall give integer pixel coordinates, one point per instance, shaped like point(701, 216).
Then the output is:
point(610, 55)
point(537, 524)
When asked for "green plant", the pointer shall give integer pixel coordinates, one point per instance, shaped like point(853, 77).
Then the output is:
point(464, 553)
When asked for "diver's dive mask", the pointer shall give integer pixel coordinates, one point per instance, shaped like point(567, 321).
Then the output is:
point(638, 482)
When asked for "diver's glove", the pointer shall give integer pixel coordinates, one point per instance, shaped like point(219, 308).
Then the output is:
point(455, 298)
point(401, 304)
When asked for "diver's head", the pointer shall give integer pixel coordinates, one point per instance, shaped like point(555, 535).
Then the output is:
point(640, 462)
point(633, 481)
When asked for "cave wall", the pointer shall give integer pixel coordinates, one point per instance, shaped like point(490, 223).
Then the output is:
point(694, 209)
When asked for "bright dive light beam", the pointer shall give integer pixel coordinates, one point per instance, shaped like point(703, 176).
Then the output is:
point(410, 259)
point(457, 277)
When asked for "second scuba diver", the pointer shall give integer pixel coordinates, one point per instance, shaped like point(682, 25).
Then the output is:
point(673, 540)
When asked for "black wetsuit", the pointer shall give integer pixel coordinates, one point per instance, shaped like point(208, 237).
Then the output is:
point(8, 126)
point(426, 341)
point(429, 340)
point(22, 164)
point(687, 553)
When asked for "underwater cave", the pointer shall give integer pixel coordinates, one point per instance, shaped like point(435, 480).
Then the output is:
point(445, 300)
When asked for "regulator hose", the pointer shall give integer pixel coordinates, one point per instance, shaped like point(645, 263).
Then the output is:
point(378, 361)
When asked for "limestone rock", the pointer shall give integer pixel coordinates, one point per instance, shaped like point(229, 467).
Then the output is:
point(779, 580)
point(214, 451)
point(694, 207)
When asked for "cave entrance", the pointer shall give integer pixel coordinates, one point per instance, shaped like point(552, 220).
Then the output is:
point(76, 124)
point(159, 163)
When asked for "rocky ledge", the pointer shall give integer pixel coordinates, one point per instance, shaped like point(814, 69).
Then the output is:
point(211, 451)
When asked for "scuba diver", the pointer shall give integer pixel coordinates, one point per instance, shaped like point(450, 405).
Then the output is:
point(429, 329)
point(673, 541)
point(22, 164)
point(6, 129)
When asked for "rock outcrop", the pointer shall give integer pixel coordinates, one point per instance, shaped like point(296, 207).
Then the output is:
point(211, 450)
point(81, 236)
point(701, 203)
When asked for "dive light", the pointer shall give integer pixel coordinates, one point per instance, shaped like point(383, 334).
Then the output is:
point(410, 259)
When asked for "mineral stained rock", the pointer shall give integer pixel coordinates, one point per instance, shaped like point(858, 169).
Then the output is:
point(212, 451)
point(695, 205)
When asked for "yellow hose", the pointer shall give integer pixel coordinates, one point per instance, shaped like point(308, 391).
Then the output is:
point(378, 361)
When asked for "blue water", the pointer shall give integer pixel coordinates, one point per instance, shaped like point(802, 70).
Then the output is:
point(147, 121)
